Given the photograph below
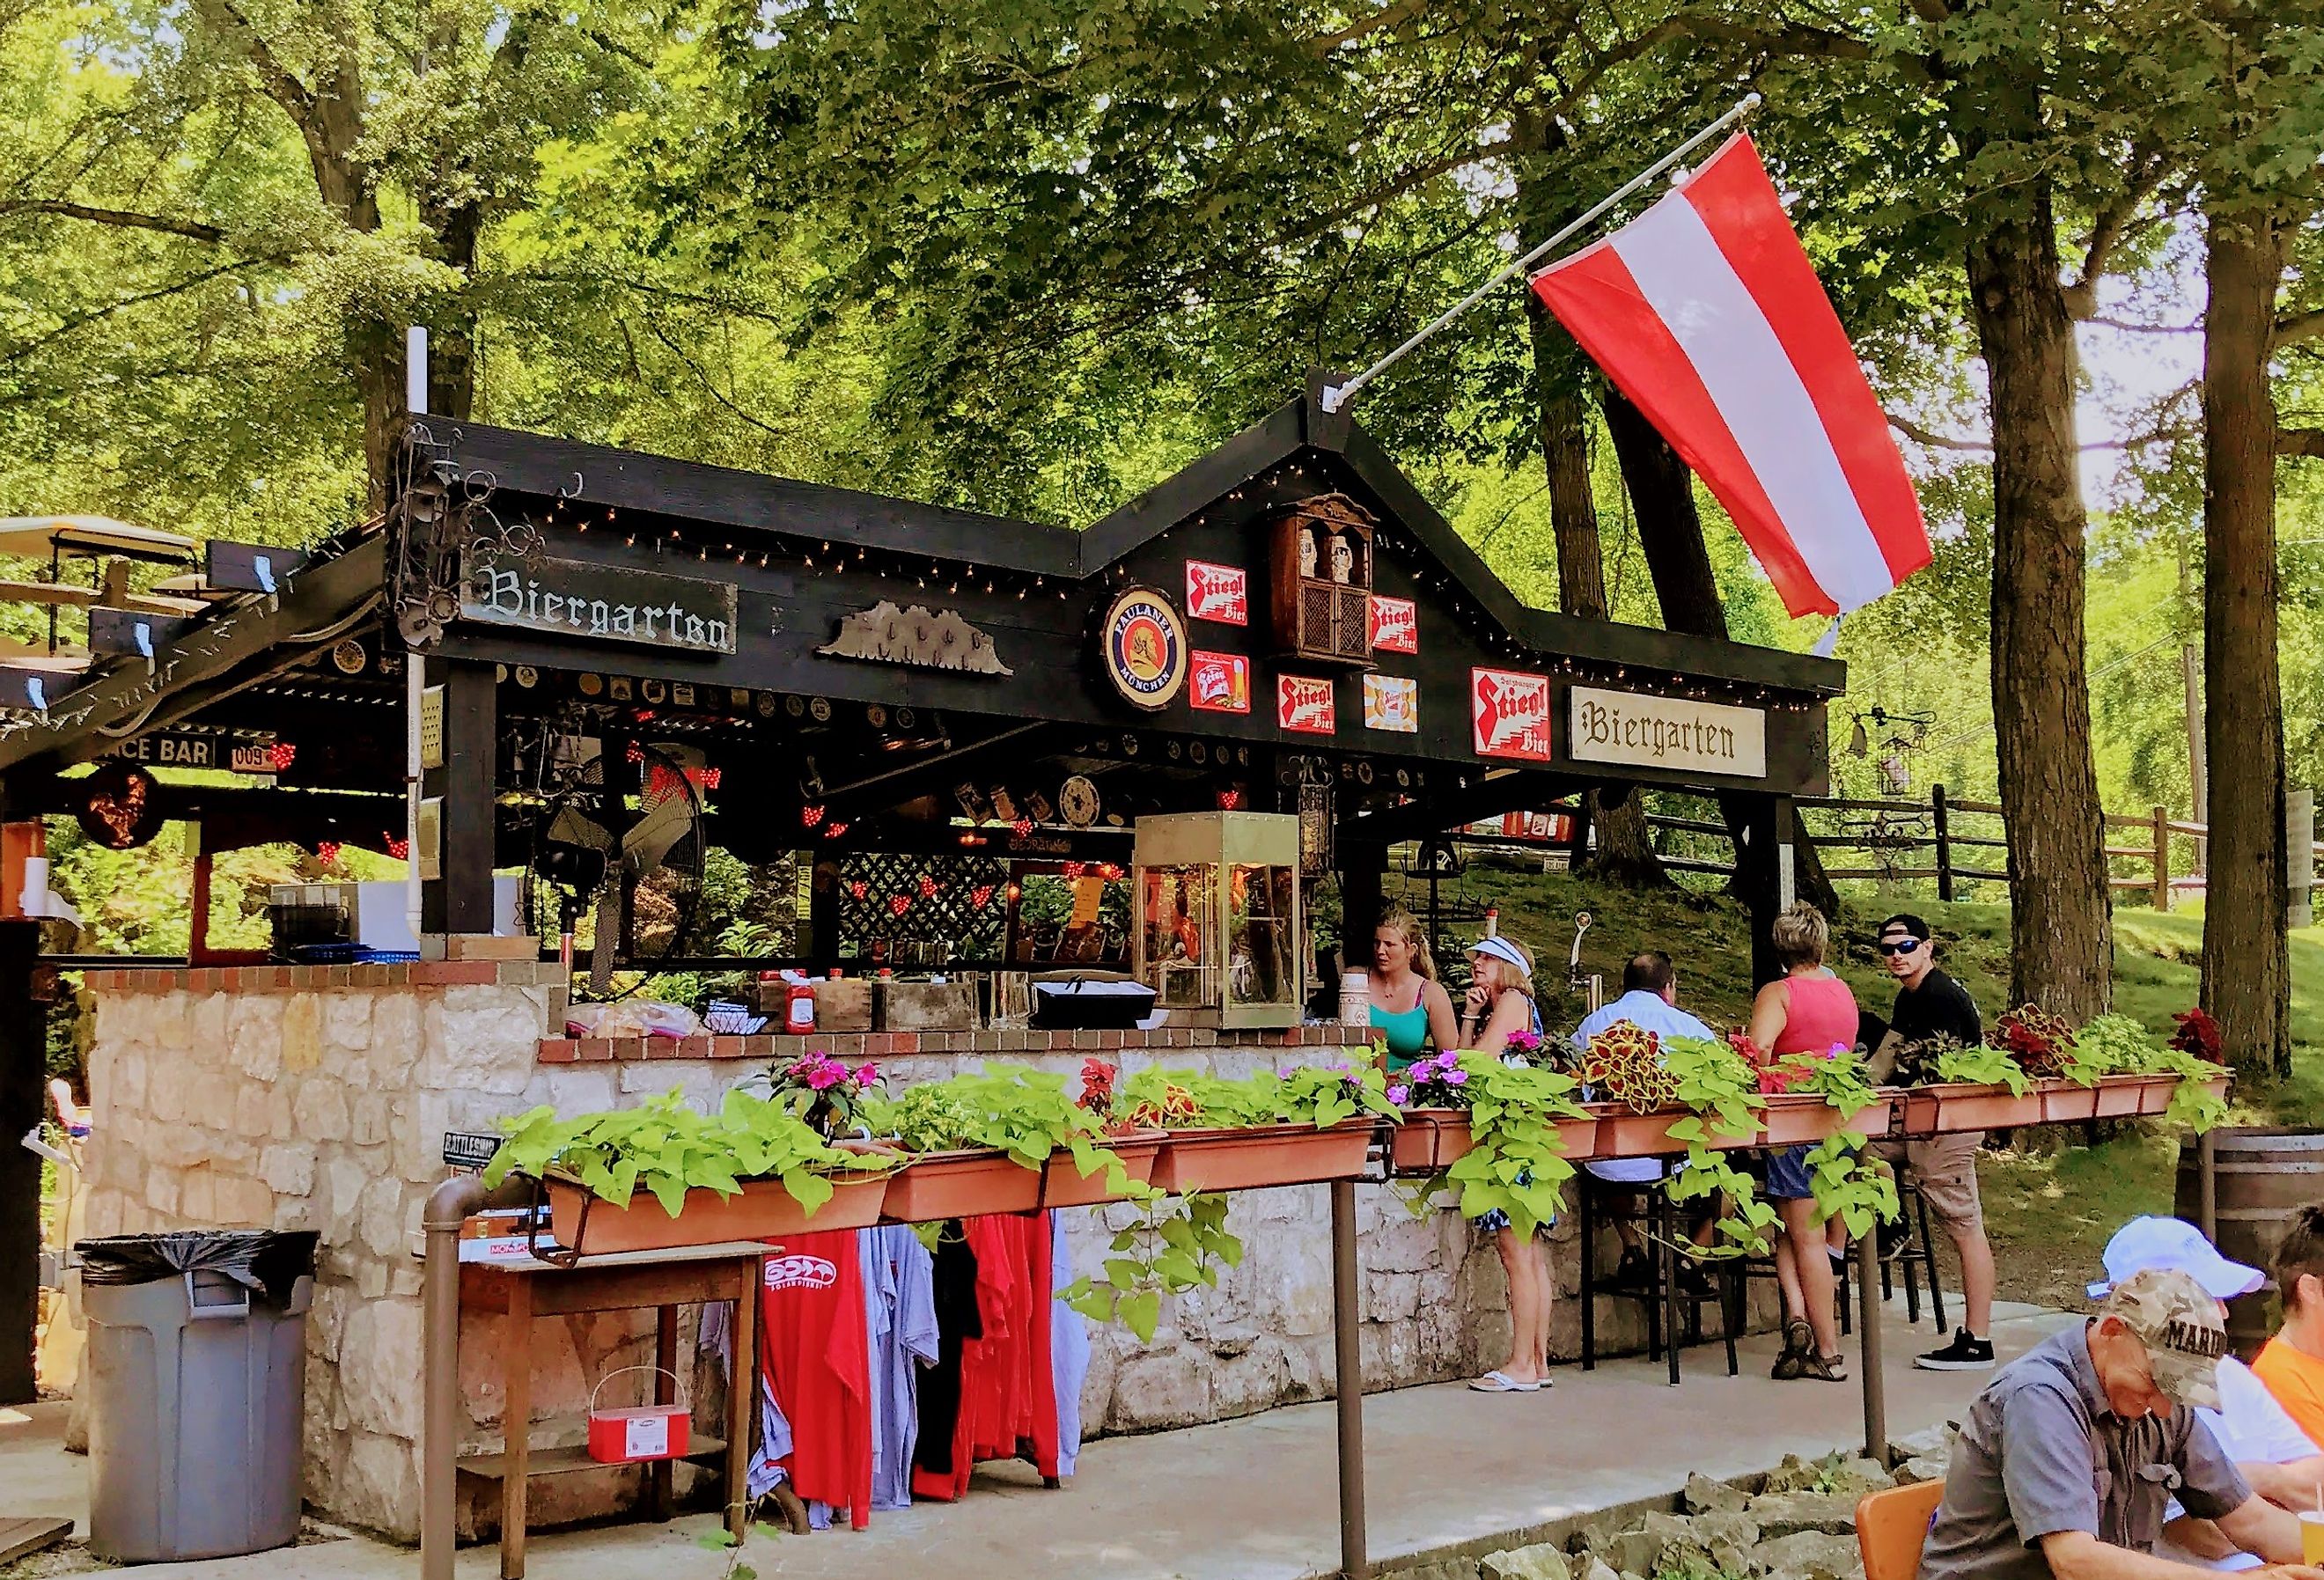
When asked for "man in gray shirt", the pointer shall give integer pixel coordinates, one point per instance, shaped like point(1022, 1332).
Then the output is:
point(2069, 1456)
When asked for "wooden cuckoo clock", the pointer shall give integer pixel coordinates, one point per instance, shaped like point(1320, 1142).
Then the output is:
point(1322, 580)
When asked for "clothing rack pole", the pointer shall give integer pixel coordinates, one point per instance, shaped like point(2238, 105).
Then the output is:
point(1868, 1316)
point(1347, 1346)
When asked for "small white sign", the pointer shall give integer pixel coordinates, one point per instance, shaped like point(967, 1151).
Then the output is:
point(647, 1437)
point(1667, 731)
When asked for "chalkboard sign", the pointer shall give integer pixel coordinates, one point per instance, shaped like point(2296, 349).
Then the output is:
point(567, 597)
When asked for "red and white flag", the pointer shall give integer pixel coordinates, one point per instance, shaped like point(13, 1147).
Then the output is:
point(1705, 311)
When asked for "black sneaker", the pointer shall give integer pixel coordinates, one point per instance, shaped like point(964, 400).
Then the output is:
point(1635, 1270)
point(1965, 1353)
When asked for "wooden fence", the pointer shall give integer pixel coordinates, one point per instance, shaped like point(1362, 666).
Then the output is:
point(1950, 841)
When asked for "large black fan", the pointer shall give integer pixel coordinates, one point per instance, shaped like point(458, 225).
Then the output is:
point(632, 853)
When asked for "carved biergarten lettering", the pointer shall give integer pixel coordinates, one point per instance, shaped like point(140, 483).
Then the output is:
point(885, 634)
point(1667, 732)
point(566, 597)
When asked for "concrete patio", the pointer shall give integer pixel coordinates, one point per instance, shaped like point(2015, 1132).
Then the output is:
point(1250, 1500)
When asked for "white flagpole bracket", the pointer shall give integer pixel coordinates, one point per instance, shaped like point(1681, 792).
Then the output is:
point(1335, 396)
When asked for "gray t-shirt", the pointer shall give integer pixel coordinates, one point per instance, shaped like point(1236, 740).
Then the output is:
point(2042, 1452)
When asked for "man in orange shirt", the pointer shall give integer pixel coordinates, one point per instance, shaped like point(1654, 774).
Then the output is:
point(2292, 1363)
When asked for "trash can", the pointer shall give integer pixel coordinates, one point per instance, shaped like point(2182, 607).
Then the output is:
point(197, 1378)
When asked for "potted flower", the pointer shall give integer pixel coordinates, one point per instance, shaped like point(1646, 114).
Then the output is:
point(824, 1094)
point(1629, 1080)
point(1298, 1127)
point(752, 1170)
point(1437, 1096)
point(2197, 1057)
point(1007, 1139)
point(1975, 1089)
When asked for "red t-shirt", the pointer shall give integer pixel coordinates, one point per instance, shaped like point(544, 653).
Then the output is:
point(816, 1355)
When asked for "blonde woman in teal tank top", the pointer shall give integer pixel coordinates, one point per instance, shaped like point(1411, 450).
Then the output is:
point(1410, 1008)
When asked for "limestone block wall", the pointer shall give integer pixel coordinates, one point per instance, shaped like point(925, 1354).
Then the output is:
point(318, 1098)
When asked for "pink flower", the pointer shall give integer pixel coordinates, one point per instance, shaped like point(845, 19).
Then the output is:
point(865, 1075)
point(1457, 1078)
point(1399, 1095)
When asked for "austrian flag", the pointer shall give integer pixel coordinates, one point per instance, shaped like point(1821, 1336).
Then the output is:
point(1705, 311)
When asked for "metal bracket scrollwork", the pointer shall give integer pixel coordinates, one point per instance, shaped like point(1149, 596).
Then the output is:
point(443, 531)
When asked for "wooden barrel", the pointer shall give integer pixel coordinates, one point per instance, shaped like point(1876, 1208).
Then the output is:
point(2264, 1175)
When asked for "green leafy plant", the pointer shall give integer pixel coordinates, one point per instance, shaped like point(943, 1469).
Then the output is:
point(1516, 1164)
point(1983, 1066)
point(2111, 1045)
point(1167, 1252)
point(668, 1149)
point(2192, 1102)
point(1722, 1087)
point(1014, 1109)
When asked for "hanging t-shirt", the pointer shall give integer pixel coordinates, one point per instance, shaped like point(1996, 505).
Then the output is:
point(2297, 1380)
point(813, 1354)
point(940, 1458)
point(899, 1316)
point(1069, 1349)
point(1008, 1394)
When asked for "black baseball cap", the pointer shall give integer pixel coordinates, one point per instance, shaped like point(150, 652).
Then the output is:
point(1912, 924)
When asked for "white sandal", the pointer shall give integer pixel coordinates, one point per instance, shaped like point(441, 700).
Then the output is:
point(1502, 1382)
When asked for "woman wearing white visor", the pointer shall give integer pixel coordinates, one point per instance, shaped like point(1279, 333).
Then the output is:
point(1500, 1005)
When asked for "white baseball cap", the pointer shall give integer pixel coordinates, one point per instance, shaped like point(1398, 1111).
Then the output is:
point(2148, 1243)
point(1498, 948)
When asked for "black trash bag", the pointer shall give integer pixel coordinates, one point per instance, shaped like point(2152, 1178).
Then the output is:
point(266, 1262)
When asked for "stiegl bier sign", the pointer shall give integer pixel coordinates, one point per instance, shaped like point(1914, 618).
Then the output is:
point(1667, 731)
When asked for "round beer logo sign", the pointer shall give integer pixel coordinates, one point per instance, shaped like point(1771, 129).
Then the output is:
point(1144, 645)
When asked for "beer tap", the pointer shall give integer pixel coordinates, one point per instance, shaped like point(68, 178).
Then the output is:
point(1592, 987)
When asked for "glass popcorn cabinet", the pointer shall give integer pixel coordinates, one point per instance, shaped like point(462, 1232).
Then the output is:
point(1218, 928)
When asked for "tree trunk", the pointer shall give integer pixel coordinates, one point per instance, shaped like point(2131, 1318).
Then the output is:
point(2062, 937)
point(1670, 535)
point(2246, 967)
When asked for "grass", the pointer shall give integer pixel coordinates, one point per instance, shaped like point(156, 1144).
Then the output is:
point(2051, 1201)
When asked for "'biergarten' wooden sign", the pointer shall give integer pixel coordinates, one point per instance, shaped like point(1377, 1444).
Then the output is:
point(566, 597)
point(1667, 731)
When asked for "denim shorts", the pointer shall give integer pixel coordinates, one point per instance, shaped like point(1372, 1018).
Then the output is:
point(1787, 1174)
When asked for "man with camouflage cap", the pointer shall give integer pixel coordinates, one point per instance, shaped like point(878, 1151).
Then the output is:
point(2069, 1456)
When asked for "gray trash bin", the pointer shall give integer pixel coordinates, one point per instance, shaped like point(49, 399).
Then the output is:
point(197, 1376)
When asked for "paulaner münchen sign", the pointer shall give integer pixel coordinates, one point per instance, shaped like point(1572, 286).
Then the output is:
point(566, 597)
point(1667, 731)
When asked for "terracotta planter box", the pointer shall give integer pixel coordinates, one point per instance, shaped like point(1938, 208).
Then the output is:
point(1797, 1118)
point(1957, 1105)
point(2155, 1092)
point(2126, 1096)
point(1431, 1140)
point(2065, 1102)
point(1625, 1132)
point(937, 1186)
point(763, 1210)
point(1263, 1155)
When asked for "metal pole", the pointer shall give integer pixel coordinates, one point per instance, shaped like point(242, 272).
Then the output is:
point(2207, 1175)
point(1338, 396)
point(1867, 1330)
point(1348, 1356)
point(439, 1363)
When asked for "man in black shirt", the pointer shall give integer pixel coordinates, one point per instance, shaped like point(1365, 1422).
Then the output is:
point(1930, 1005)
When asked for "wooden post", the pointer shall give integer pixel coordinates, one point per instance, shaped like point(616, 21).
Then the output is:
point(1868, 1316)
point(2162, 858)
point(197, 930)
point(23, 1077)
point(459, 897)
point(1763, 862)
point(1944, 833)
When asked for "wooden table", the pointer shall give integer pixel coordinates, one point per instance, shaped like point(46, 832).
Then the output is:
point(631, 1280)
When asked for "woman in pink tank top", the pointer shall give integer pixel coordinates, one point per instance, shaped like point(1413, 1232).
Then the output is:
point(1807, 1009)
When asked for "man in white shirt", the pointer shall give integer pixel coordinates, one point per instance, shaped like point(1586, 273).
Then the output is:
point(2266, 1445)
point(1649, 1002)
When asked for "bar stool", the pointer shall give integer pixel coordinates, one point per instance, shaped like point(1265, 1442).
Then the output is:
point(1664, 1294)
point(1914, 1248)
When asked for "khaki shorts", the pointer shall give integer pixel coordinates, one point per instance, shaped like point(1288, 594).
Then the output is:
point(1944, 1169)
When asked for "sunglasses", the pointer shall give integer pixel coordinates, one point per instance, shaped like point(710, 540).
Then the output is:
point(1902, 946)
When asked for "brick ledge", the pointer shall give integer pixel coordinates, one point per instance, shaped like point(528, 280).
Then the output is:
point(209, 979)
point(848, 1045)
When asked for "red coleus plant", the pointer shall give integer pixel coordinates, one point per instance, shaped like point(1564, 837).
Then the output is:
point(2198, 1034)
point(1623, 1064)
point(1097, 1087)
point(2036, 1039)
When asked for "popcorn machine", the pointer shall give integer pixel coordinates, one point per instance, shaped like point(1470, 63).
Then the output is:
point(1219, 927)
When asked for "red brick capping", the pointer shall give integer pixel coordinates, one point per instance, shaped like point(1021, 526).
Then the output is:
point(323, 978)
point(903, 1044)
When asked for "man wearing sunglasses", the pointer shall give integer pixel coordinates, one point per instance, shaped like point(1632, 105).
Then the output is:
point(1930, 1004)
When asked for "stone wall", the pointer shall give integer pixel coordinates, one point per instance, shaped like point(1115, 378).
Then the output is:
point(318, 1099)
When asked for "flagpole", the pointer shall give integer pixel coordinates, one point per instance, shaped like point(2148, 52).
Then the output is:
point(1338, 396)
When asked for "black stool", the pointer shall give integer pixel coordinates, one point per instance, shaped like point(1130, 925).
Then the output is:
point(1664, 1294)
point(1915, 1249)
